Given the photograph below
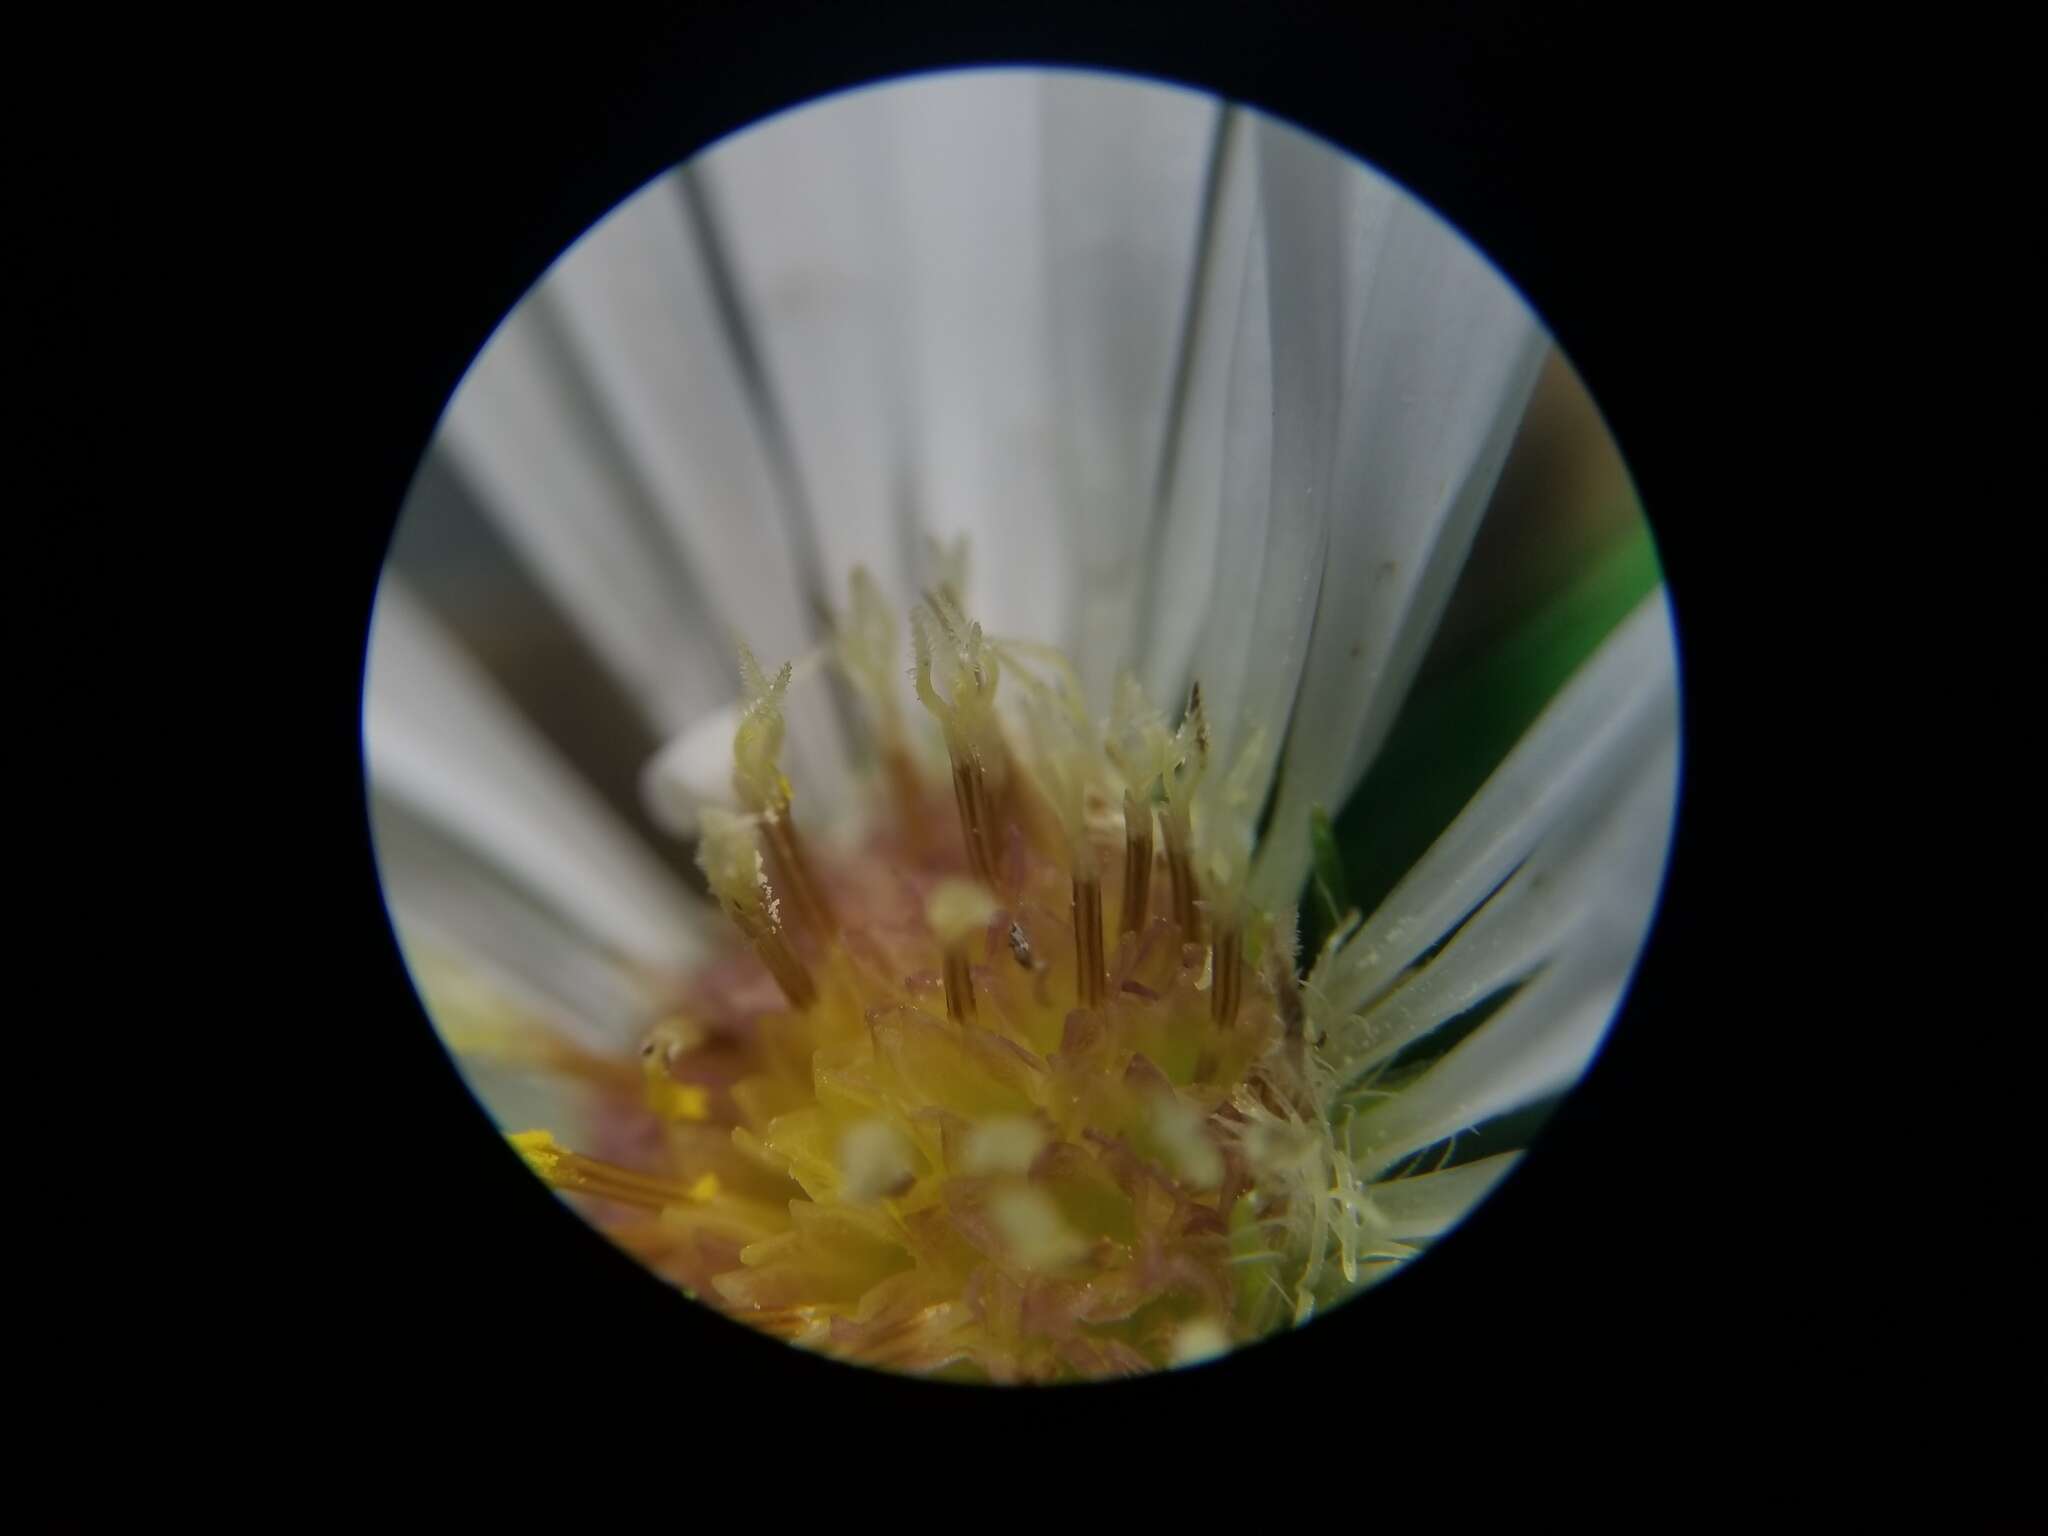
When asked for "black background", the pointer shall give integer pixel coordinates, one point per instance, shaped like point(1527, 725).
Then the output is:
point(1628, 1282)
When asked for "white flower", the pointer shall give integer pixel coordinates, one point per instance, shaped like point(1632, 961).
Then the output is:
point(1207, 401)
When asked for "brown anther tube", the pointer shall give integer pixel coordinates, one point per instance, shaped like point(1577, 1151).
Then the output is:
point(1137, 903)
point(794, 865)
point(1227, 988)
point(977, 824)
point(959, 984)
point(1180, 873)
point(788, 971)
point(1088, 940)
point(782, 963)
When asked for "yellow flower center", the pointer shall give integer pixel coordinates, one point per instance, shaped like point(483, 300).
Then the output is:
point(974, 1100)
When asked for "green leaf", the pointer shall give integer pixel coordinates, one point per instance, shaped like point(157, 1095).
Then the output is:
point(1454, 732)
point(1327, 878)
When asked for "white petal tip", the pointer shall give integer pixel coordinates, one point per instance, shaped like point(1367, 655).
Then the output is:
point(693, 771)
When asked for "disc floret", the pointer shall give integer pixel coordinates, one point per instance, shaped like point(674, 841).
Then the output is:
point(974, 1137)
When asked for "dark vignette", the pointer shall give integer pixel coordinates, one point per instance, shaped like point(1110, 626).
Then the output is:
point(1577, 148)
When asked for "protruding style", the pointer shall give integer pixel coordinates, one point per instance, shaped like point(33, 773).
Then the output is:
point(758, 780)
point(1063, 762)
point(730, 856)
point(950, 650)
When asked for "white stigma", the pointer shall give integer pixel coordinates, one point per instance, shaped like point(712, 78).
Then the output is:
point(874, 1161)
point(1007, 1144)
point(958, 909)
point(1192, 1155)
point(1203, 1339)
point(1033, 1229)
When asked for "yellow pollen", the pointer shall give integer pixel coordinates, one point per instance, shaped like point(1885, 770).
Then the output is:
point(677, 1101)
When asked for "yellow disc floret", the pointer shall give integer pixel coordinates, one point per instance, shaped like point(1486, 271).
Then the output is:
point(980, 1133)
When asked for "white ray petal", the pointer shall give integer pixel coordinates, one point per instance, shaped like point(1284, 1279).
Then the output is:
point(463, 930)
point(1586, 864)
point(538, 461)
point(503, 979)
point(1301, 187)
point(1545, 1037)
point(892, 250)
point(811, 210)
point(443, 742)
point(1186, 552)
point(1121, 231)
point(985, 432)
point(519, 1099)
point(1431, 1203)
point(1229, 609)
point(1605, 721)
point(694, 769)
point(1442, 358)
point(640, 317)
point(1541, 1041)
point(1277, 455)
point(501, 983)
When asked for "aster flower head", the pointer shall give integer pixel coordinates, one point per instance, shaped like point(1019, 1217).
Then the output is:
point(1014, 518)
